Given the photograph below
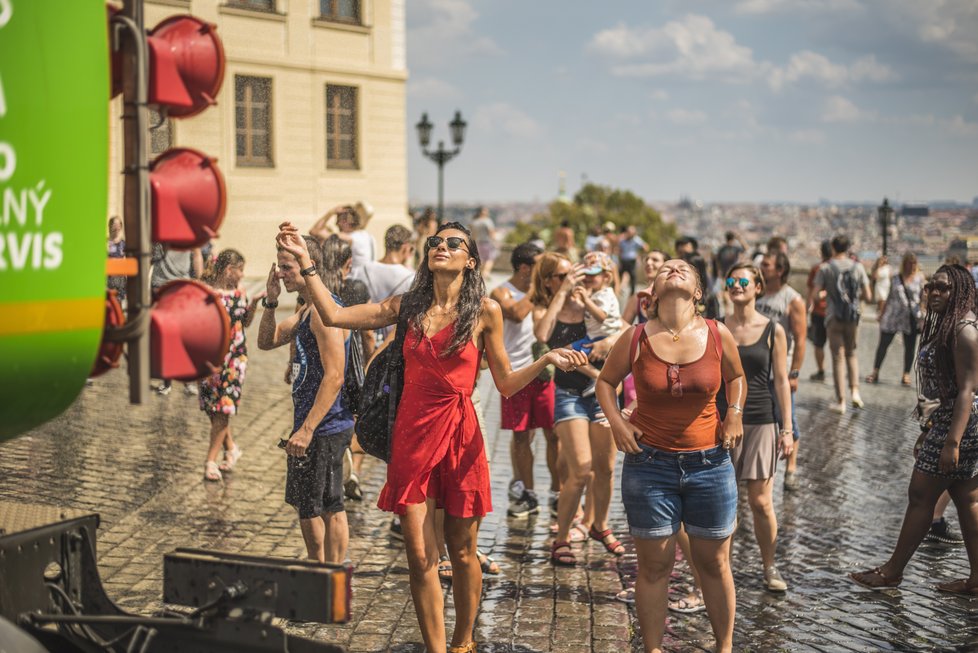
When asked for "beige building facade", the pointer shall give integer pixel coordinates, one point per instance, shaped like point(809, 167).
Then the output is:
point(311, 115)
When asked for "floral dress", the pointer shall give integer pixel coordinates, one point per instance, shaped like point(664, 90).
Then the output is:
point(221, 392)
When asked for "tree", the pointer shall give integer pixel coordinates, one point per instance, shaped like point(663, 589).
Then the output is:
point(593, 206)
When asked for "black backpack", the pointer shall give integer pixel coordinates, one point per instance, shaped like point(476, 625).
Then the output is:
point(380, 396)
point(353, 374)
point(848, 306)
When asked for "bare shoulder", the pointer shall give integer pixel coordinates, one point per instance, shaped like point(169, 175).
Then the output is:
point(491, 309)
point(500, 293)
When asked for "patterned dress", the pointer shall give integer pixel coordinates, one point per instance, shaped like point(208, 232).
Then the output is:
point(221, 392)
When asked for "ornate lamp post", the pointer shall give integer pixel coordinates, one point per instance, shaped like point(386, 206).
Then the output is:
point(885, 212)
point(441, 156)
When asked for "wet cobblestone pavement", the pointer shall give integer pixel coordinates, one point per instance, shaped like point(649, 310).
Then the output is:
point(141, 469)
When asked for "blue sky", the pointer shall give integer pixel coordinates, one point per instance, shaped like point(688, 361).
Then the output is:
point(721, 100)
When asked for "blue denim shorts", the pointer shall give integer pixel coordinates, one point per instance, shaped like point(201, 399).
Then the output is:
point(663, 489)
point(568, 405)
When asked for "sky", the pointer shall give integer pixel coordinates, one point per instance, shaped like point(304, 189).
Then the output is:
point(717, 100)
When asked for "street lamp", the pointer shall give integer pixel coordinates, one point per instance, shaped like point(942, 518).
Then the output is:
point(441, 156)
point(885, 212)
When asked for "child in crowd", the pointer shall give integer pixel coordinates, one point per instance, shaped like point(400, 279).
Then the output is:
point(221, 392)
point(602, 311)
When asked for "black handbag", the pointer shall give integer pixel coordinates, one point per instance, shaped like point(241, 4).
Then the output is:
point(353, 373)
point(380, 395)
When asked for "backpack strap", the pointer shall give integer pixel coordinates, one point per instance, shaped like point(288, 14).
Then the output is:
point(715, 332)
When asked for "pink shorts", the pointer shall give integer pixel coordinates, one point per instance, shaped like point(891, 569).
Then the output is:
point(530, 408)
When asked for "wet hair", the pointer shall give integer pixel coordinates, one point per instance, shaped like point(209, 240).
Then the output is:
point(840, 244)
point(314, 248)
point(825, 249)
point(941, 329)
point(781, 262)
point(416, 301)
point(336, 254)
point(226, 259)
point(545, 266)
point(750, 267)
point(524, 254)
point(396, 237)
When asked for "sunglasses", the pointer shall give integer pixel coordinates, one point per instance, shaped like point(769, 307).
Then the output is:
point(453, 242)
point(675, 383)
point(937, 286)
point(743, 281)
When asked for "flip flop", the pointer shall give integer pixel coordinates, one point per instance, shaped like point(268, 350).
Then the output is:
point(862, 578)
point(959, 587)
point(445, 569)
point(488, 565)
point(687, 605)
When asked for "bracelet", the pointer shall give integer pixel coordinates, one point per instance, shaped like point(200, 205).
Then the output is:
point(309, 271)
point(268, 304)
point(787, 432)
point(737, 408)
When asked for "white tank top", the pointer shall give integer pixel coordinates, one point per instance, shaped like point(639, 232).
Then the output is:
point(518, 337)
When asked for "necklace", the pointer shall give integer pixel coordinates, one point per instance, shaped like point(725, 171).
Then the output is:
point(675, 334)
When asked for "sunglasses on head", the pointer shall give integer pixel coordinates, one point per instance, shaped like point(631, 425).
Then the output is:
point(453, 242)
point(937, 286)
point(743, 281)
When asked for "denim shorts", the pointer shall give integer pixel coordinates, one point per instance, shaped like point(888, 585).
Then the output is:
point(568, 405)
point(663, 489)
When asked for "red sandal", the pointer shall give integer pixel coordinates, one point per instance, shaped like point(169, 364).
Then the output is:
point(562, 554)
point(612, 545)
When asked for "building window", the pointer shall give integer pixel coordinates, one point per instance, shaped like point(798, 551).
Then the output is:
point(341, 126)
point(343, 11)
point(160, 133)
point(256, 5)
point(253, 120)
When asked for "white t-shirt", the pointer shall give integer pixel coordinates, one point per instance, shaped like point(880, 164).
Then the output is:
point(385, 279)
point(518, 337)
point(606, 301)
point(362, 245)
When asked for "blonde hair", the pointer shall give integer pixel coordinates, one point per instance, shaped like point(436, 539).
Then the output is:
point(544, 268)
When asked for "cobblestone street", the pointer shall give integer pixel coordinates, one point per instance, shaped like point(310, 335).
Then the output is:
point(141, 469)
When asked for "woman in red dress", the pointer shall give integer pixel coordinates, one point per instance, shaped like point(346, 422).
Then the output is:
point(437, 451)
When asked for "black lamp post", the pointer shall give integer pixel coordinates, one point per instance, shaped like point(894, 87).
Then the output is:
point(885, 212)
point(441, 156)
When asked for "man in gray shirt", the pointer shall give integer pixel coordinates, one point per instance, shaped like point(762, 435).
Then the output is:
point(390, 275)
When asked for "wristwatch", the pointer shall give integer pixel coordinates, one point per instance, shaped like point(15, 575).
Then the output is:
point(309, 271)
point(269, 304)
point(793, 374)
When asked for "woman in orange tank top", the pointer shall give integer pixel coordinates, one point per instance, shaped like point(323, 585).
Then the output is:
point(677, 469)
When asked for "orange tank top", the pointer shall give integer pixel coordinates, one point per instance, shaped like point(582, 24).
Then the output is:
point(677, 408)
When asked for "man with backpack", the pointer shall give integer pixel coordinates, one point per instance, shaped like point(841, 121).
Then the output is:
point(846, 286)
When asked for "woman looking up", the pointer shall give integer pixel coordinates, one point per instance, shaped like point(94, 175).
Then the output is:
point(437, 451)
point(677, 468)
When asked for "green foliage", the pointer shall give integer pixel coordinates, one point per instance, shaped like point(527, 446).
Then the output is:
point(592, 206)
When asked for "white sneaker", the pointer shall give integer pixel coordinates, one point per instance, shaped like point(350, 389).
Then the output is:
point(190, 389)
point(773, 580)
point(838, 407)
point(857, 401)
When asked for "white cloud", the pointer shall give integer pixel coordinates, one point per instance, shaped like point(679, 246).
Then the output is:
point(774, 6)
point(960, 127)
point(838, 109)
point(505, 119)
point(431, 88)
point(686, 117)
point(442, 31)
point(807, 136)
point(812, 65)
point(660, 95)
point(691, 46)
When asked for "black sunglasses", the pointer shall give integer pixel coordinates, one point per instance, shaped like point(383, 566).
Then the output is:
point(453, 242)
point(937, 286)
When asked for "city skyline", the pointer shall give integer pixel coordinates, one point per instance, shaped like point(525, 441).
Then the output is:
point(746, 101)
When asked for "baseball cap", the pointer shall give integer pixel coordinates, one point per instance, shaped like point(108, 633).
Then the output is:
point(596, 262)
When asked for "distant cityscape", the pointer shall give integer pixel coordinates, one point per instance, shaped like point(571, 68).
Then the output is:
point(933, 230)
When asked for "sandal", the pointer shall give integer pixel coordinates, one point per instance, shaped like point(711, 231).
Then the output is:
point(626, 596)
point(488, 565)
point(445, 569)
point(865, 579)
point(211, 471)
point(873, 378)
point(464, 648)
point(608, 539)
point(578, 532)
point(688, 604)
point(959, 587)
point(231, 457)
point(561, 554)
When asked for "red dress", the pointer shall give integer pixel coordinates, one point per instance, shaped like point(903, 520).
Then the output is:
point(437, 448)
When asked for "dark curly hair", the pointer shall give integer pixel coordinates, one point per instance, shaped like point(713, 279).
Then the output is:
point(941, 329)
point(416, 301)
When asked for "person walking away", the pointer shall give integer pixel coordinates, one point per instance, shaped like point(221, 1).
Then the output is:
point(763, 347)
point(816, 307)
point(533, 406)
point(484, 233)
point(220, 393)
point(677, 468)
point(629, 246)
point(900, 313)
point(846, 285)
point(322, 424)
point(947, 450)
point(785, 305)
point(437, 448)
